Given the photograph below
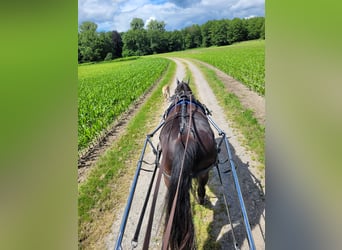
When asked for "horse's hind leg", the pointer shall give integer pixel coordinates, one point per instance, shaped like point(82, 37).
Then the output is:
point(202, 181)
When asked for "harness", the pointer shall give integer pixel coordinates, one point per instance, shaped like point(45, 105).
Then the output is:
point(184, 101)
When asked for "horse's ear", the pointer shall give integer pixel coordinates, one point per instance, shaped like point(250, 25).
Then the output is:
point(178, 82)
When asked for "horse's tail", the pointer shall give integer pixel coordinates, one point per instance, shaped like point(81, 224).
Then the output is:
point(182, 229)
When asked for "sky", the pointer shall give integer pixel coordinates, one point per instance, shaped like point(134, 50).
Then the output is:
point(177, 14)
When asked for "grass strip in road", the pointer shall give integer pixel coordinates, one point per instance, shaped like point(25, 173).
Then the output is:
point(96, 194)
point(203, 217)
point(243, 119)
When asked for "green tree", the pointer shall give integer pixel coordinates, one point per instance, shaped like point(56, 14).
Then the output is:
point(104, 44)
point(109, 56)
point(117, 44)
point(205, 32)
point(192, 36)
point(175, 40)
point(156, 36)
point(262, 30)
point(156, 25)
point(218, 32)
point(135, 40)
point(255, 27)
point(95, 46)
point(135, 43)
point(111, 43)
point(137, 24)
point(237, 31)
point(88, 42)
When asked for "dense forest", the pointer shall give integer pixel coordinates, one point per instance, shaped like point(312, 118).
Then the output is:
point(140, 40)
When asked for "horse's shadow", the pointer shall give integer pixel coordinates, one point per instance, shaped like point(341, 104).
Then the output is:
point(219, 230)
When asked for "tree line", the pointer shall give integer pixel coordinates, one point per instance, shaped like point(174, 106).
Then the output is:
point(139, 41)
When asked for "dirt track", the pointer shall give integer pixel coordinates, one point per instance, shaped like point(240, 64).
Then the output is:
point(251, 182)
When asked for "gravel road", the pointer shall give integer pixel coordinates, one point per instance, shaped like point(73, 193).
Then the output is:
point(251, 182)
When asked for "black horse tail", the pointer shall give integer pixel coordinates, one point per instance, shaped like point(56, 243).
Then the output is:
point(182, 235)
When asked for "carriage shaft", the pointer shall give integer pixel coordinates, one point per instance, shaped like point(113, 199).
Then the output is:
point(237, 185)
point(133, 186)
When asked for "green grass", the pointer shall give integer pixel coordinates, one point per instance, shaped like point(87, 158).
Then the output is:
point(243, 61)
point(106, 90)
point(95, 195)
point(203, 221)
point(243, 119)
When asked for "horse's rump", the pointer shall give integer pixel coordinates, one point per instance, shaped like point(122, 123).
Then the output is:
point(200, 132)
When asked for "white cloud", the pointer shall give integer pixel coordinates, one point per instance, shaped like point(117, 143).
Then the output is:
point(97, 10)
point(132, 5)
point(247, 4)
point(117, 14)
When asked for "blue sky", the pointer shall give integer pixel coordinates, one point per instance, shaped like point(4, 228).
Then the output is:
point(177, 14)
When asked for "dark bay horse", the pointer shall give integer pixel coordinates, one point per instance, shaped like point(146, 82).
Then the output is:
point(188, 150)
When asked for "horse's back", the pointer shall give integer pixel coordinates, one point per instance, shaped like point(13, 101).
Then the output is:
point(200, 133)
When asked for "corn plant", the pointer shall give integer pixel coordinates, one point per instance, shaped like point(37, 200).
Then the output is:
point(106, 90)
